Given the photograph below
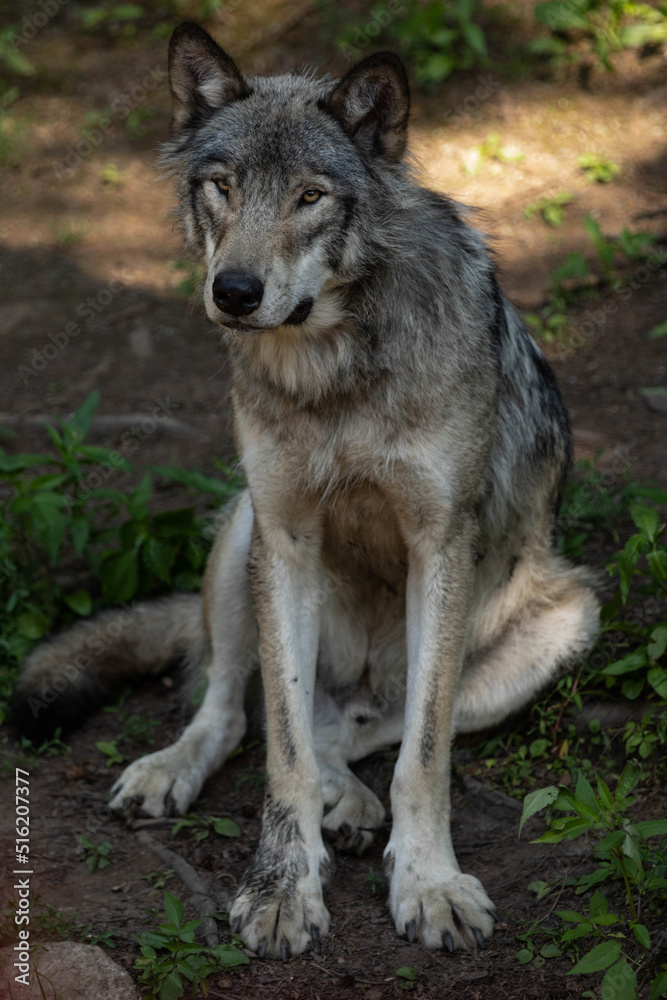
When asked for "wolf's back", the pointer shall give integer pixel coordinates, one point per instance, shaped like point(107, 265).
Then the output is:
point(80, 669)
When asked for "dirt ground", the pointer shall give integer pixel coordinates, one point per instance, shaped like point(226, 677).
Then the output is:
point(88, 239)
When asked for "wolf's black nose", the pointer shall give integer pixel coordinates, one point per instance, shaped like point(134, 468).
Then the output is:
point(236, 293)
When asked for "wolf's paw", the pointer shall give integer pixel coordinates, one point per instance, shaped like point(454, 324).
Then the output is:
point(277, 915)
point(440, 910)
point(352, 813)
point(160, 784)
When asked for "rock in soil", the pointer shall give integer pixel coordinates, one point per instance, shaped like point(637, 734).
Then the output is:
point(73, 970)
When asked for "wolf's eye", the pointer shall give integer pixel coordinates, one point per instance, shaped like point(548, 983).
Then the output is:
point(311, 196)
point(222, 186)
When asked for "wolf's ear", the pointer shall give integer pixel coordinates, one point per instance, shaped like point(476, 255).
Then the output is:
point(372, 103)
point(202, 77)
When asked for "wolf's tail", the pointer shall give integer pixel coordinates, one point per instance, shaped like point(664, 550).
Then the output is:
point(68, 676)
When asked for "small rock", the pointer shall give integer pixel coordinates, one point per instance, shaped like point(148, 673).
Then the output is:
point(656, 399)
point(141, 343)
point(75, 971)
point(14, 315)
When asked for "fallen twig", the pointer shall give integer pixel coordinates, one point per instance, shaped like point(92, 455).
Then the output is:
point(200, 893)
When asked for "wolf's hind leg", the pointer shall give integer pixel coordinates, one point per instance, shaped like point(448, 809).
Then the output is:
point(352, 812)
point(539, 644)
point(167, 782)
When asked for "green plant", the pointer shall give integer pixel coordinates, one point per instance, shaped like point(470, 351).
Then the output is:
point(135, 122)
point(648, 737)
point(408, 977)
point(110, 174)
point(440, 37)
point(202, 826)
point(551, 322)
point(572, 279)
point(61, 502)
point(169, 955)
point(47, 923)
point(95, 855)
point(158, 880)
point(114, 17)
point(598, 169)
point(623, 855)
point(136, 727)
point(645, 556)
point(255, 776)
point(659, 331)
point(491, 149)
point(375, 881)
point(552, 209)
point(632, 245)
point(111, 752)
point(586, 32)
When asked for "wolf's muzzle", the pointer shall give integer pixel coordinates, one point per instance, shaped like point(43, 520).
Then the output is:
point(237, 293)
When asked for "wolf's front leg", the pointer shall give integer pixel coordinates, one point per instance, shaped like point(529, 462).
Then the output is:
point(430, 899)
point(279, 907)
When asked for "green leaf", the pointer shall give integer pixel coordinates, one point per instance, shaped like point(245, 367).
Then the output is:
point(405, 972)
point(171, 987)
point(541, 889)
point(569, 829)
point(632, 688)
point(604, 794)
point(652, 828)
point(571, 916)
point(104, 456)
point(659, 985)
point(584, 793)
point(119, 574)
point(226, 827)
point(620, 983)
point(474, 36)
point(642, 935)
point(628, 664)
point(173, 909)
point(598, 904)
point(657, 564)
point(48, 521)
point(612, 840)
point(627, 781)
point(646, 519)
point(536, 801)
point(137, 503)
point(228, 955)
point(657, 678)
point(658, 644)
point(659, 331)
point(32, 624)
point(79, 527)
point(600, 957)
point(158, 558)
point(524, 956)
point(83, 418)
point(197, 480)
point(81, 602)
point(550, 951)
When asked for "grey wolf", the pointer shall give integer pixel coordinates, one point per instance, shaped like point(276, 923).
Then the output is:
point(405, 445)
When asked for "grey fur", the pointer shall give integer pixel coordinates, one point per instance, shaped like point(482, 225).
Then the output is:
point(405, 447)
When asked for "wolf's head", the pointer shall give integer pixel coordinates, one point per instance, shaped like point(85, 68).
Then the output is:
point(274, 175)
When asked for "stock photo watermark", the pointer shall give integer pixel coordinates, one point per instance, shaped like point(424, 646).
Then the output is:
point(89, 309)
point(22, 885)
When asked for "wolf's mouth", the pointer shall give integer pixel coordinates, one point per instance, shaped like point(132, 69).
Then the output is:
point(300, 313)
